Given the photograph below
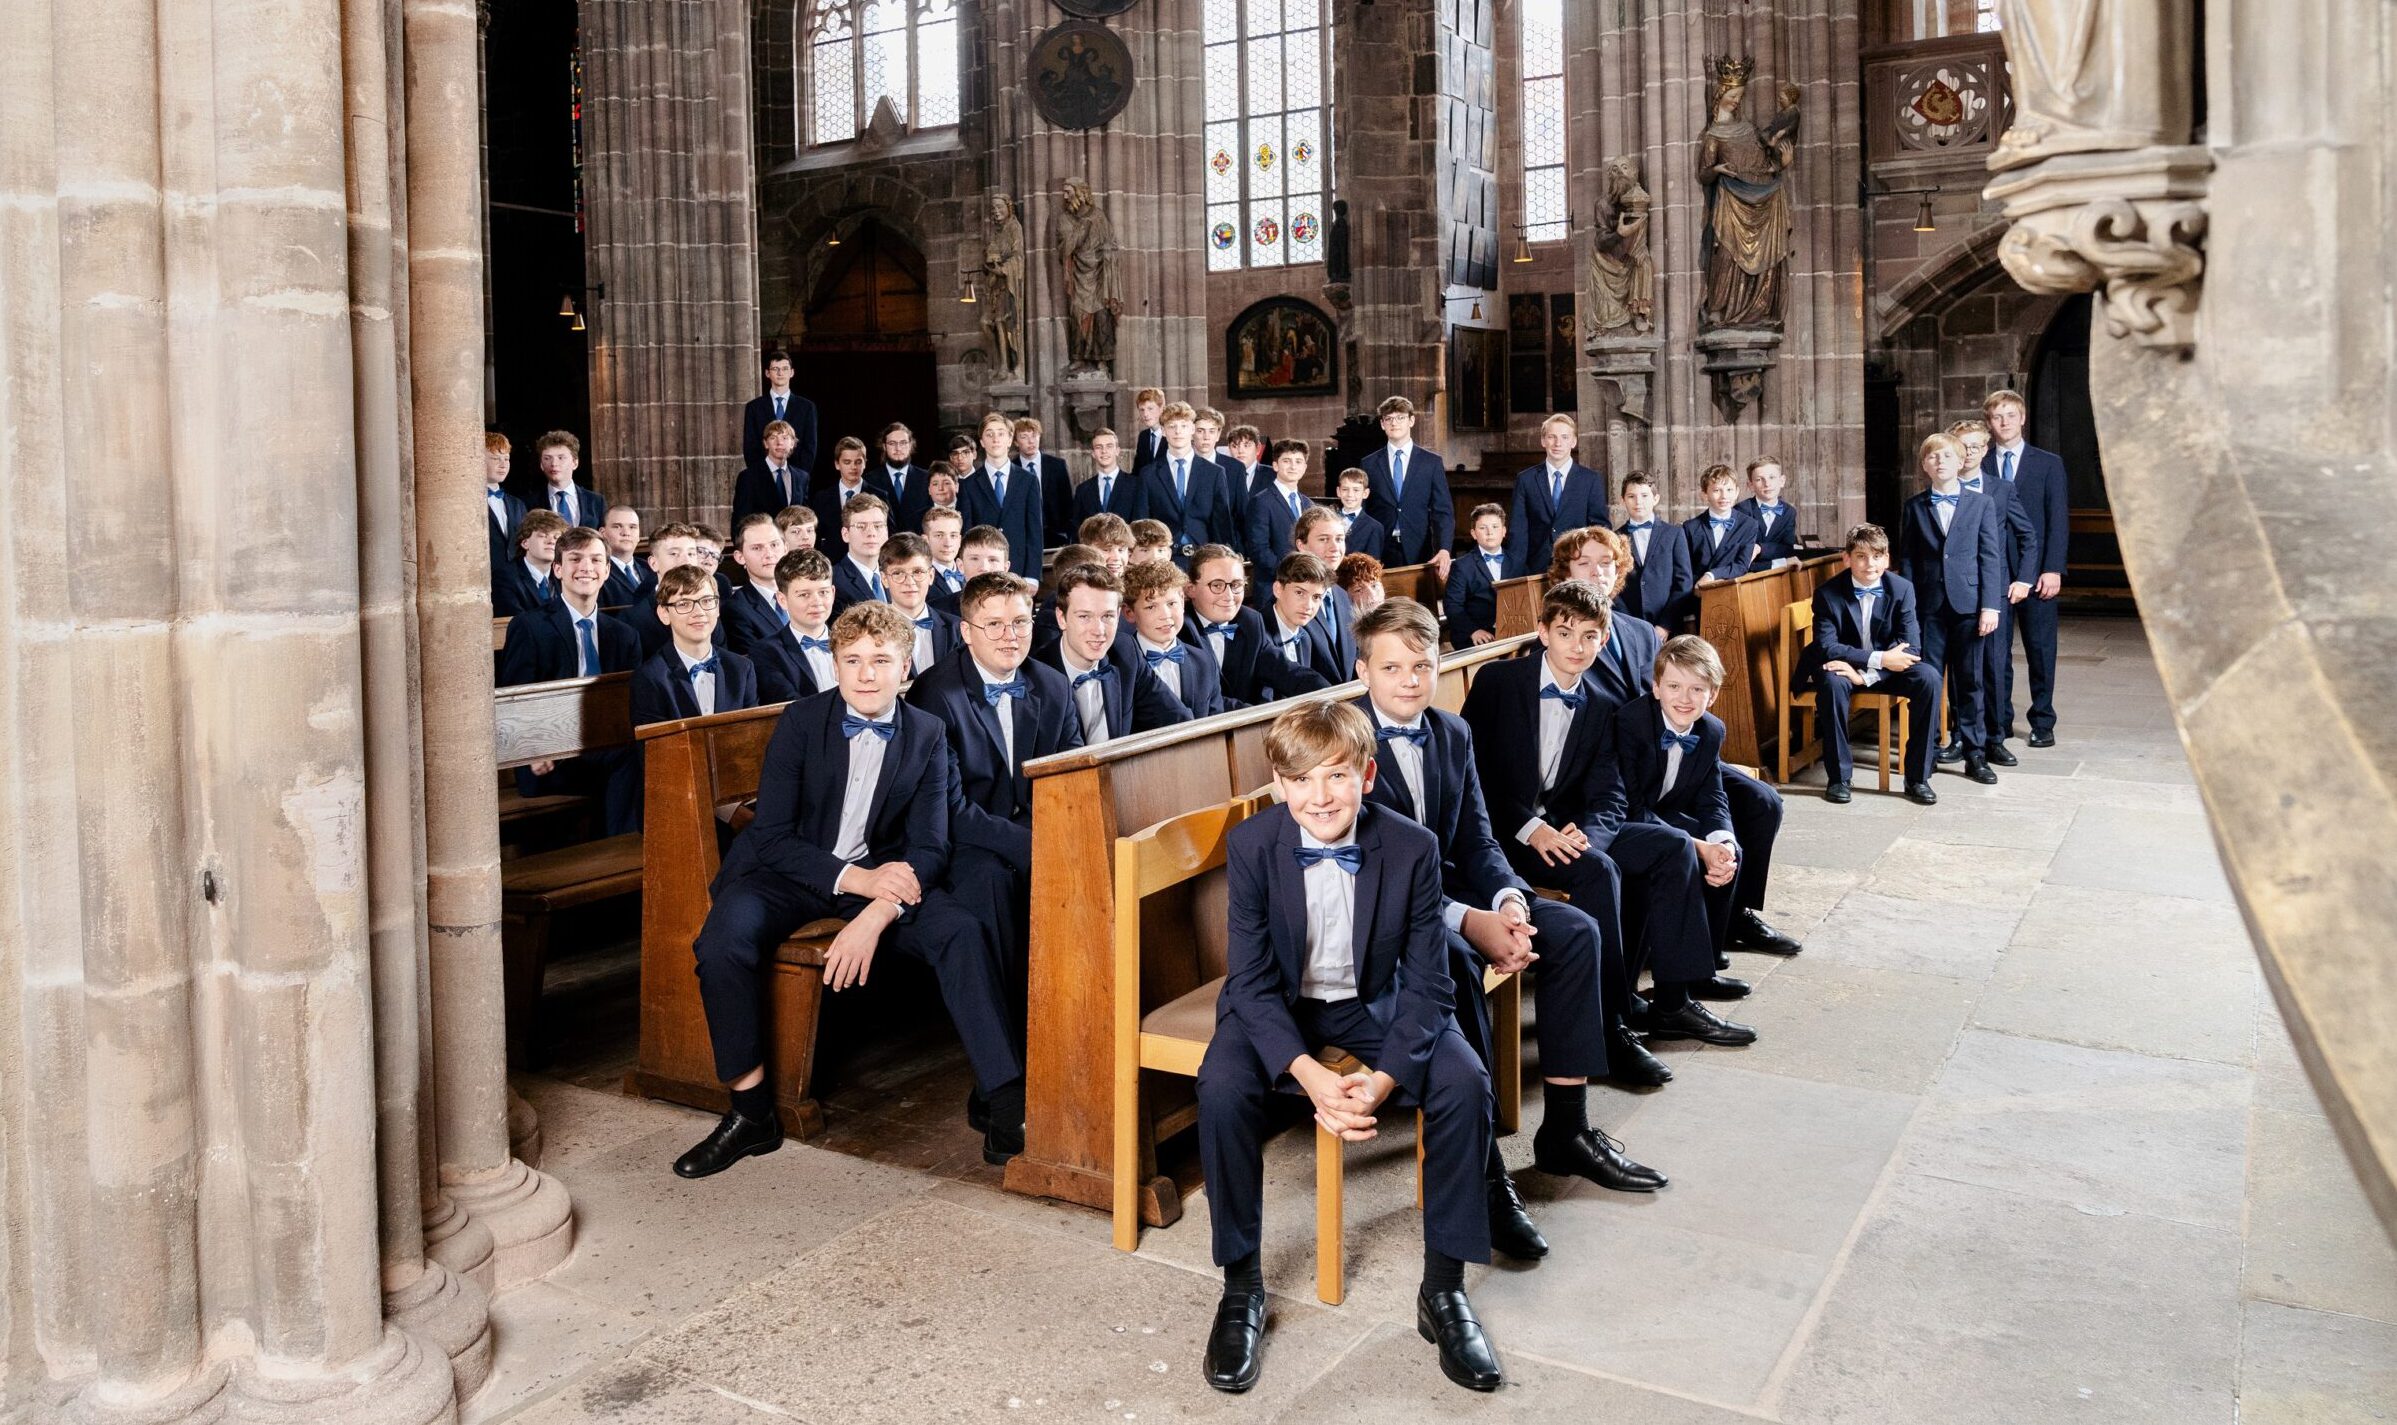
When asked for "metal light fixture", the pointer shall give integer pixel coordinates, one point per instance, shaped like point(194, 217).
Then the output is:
point(566, 306)
point(573, 312)
point(967, 296)
point(832, 238)
point(1924, 221)
point(1522, 247)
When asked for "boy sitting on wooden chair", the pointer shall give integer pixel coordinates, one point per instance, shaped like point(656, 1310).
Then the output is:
point(1336, 940)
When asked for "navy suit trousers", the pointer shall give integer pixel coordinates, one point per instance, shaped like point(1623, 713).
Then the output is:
point(1952, 642)
point(1570, 979)
point(1919, 685)
point(2038, 619)
point(1756, 821)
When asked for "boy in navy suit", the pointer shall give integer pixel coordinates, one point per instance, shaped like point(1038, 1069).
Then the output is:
point(559, 453)
point(797, 661)
point(983, 550)
point(1361, 532)
point(856, 578)
point(507, 512)
point(1866, 636)
point(1110, 489)
point(1235, 635)
point(1777, 518)
point(1273, 511)
point(944, 535)
point(2043, 500)
point(1111, 537)
point(907, 485)
point(1951, 546)
point(1152, 540)
point(780, 403)
point(1187, 491)
point(1558, 493)
point(775, 484)
point(526, 581)
point(629, 577)
point(1656, 808)
point(1054, 482)
point(752, 613)
point(1723, 538)
point(1336, 939)
point(1319, 534)
point(1292, 629)
point(1148, 432)
point(1427, 770)
point(1407, 493)
point(1662, 587)
point(569, 637)
point(1153, 611)
point(673, 546)
point(995, 494)
point(830, 499)
point(1248, 462)
point(1471, 595)
point(907, 582)
point(691, 678)
point(1113, 691)
point(852, 821)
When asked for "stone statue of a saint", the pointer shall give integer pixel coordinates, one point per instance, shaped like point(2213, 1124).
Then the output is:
point(1622, 270)
point(1335, 244)
point(2087, 77)
point(1094, 295)
point(1003, 288)
point(1748, 226)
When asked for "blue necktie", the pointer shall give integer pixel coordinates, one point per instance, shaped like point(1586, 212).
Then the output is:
point(820, 645)
point(1295, 507)
point(1219, 630)
point(782, 616)
point(852, 724)
point(778, 400)
point(588, 631)
point(1093, 675)
point(1106, 490)
point(705, 665)
point(782, 482)
point(998, 483)
point(1415, 735)
point(992, 692)
point(1398, 474)
point(1686, 741)
point(898, 485)
point(1572, 701)
point(1181, 481)
point(1943, 499)
point(1556, 489)
point(1156, 656)
point(2006, 466)
point(874, 582)
point(566, 505)
point(1347, 858)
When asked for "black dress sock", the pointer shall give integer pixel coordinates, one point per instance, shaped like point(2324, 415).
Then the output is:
point(1245, 1275)
point(1442, 1272)
point(1006, 1104)
point(757, 1102)
point(1568, 1110)
point(1668, 996)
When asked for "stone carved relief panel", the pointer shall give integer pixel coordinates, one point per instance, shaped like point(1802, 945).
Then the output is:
point(1936, 101)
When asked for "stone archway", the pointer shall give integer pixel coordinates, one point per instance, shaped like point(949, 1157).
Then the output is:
point(864, 344)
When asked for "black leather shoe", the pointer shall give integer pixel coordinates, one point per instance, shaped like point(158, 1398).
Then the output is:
point(1000, 1142)
point(977, 1111)
point(1629, 1063)
point(1595, 1156)
point(2043, 739)
point(2002, 755)
point(1511, 1229)
point(1979, 770)
point(1446, 1320)
point(1750, 931)
point(1951, 752)
point(1003, 1123)
point(1696, 1021)
point(1921, 794)
point(1720, 987)
point(734, 1138)
point(1235, 1345)
point(1836, 793)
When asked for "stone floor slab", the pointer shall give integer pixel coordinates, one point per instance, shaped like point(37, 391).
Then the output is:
point(1873, 931)
point(578, 1122)
point(1997, 877)
point(543, 1336)
point(2118, 970)
point(2316, 1368)
point(1393, 1376)
point(2281, 1081)
point(644, 1393)
point(2145, 852)
point(2312, 1239)
point(2004, 819)
point(1841, 1024)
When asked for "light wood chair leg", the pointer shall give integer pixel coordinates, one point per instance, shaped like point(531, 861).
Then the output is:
point(1330, 1268)
point(1506, 1027)
point(1905, 733)
point(1886, 704)
point(1127, 1155)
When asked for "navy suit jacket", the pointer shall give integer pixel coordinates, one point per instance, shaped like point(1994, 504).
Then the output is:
point(748, 619)
point(1962, 571)
point(1136, 701)
point(990, 804)
point(1780, 537)
point(1470, 597)
point(910, 495)
point(1839, 630)
point(590, 507)
point(849, 586)
point(503, 536)
point(1197, 680)
point(1126, 499)
point(1420, 517)
point(799, 792)
point(1322, 658)
point(1252, 672)
point(1662, 588)
point(1020, 518)
point(622, 589)
point(1626, 667)
point(755, 492)
point(824, 497)
point(1732, 559)
point(1400, 943)
point(540, 646)
point(1532, 524)
point(1626, 778)
point(513, 589)
point(2017, 553)
point(1503, 709)
point(1472, 867)
point(1209, 516)
point(1056, 498)
point(1271, 530)
point(799, 411)
point(1367, 536)
point(1338, 619)
point(2045, 497)
point(662, 689)
point(783, 673)
point(1147, 445)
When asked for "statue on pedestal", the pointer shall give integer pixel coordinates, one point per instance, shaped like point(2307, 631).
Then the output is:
point(1622, 270)
point(1093, 288)
point(1003, 288)
point(1748, 226)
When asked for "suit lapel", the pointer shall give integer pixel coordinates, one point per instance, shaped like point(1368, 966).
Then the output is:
point(833, 756)
point(1369, 892)
point(1289, 902)
point(899, 752)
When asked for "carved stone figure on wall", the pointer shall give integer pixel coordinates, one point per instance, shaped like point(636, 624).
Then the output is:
point(1094, 295)
point(1003, 288)
point(1335, 244)
point(1622, 270)
point(1748, 226)
point(2086, 78)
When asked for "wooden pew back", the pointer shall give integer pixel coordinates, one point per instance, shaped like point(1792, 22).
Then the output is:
point(1742, 618)
point(540, 722)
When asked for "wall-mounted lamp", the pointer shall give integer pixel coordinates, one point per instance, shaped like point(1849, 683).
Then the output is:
point(1522, 246)
point(966, 295)
point(1925, 221)
point(597, 292)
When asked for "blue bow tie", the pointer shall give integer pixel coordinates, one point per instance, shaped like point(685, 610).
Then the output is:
point(820, 645)
point(1416, 735)
point(1974, 484)
point(1347, 858)
point(1872, 593)
point(1943, 499)
point(1093, 675)
point(1640, 524)
point(1557, 694)
point(1226, 630)
point(1156, 656)
point(1686, 741)
point(1771, 511)
point(992, 692)
point(925, 622)
point(1718, 520)
point(705, 665)
point(852, 724)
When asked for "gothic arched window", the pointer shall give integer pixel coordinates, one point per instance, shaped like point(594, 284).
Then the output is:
point(860, 52)
point(1268, 152)
point(1544, 215)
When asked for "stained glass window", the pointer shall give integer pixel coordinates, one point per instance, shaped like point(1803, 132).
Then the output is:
point(1544, 215)
point(1267, 156)
point(858, 53)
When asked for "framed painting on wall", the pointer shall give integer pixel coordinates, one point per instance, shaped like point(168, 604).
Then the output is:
point(1280, 347)
point(1476, 378)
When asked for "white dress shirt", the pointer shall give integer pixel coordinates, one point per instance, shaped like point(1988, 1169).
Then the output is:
point(549, 499)
point(1556, 725)
point(1639, 541)
point(1291, 642)
point(1942, 513)
point(703, 685)
point(1090, 699)
point(2016, 449)
point(1398, 465)
point(583, 666)
point(1106, 479)
point(1673, 774)
point(498, 499)
point(923, 653)
point(857, 795)
point(869, 573)
point(1176, 681)
point(1330, 972)
point(819, 660)
point(1003, 709)
point(1864, 612)
point(1215, 637)
point(1407, 760)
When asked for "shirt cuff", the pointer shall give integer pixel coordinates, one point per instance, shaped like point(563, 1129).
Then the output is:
point(1452, 913)
point(1523, 832)
point(1499, 902)
point(1723, 838)
point(1872, 660)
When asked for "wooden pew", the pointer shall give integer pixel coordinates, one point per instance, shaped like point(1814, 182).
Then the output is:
point(1081, 802)
point(1519, 604)
point(1419, 582)
point(499, 634)
point(1742, 619)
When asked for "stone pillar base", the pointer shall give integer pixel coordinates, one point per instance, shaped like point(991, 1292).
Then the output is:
point(524, 1130)
point(528, 1213)
point(461, 1244)
point(450, 1313)
point(400, 1382)
point(204, 1400)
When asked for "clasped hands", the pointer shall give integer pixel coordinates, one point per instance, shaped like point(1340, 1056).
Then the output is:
point(1344, 1104)
point(888, 889)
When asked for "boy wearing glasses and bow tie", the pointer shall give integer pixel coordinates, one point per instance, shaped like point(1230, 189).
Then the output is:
point(907, 580)
point(690, 677)
point(1662, 588)
point(1254, 671)
point(1723, 537)
point(1867, 635)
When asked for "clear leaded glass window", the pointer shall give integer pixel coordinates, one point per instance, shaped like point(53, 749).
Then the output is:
point(860, 52)
point(1544, 216)
point(1269, 132)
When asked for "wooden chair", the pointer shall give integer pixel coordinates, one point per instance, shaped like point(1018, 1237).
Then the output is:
point(1189, 850)
point(1797, 628)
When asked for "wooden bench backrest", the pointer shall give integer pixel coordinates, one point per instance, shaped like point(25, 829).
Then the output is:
point(1519, 604)
point(1419, 582)
point(1174, 872)
point(1746, 619)
point(539, 722)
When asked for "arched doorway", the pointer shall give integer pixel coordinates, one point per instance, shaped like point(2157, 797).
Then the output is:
point(2063, 421)
point(867, 358)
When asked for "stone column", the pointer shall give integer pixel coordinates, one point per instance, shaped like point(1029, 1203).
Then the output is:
point(1386, 129)
point(528, 1215)
point(670, 186)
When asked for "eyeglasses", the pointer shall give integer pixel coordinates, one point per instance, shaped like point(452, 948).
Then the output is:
point(706, 556)
point(1006, 628)
point(1226, 586)
point(704, 604)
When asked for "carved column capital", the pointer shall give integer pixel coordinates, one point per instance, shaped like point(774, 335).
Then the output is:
point(2130, 223)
